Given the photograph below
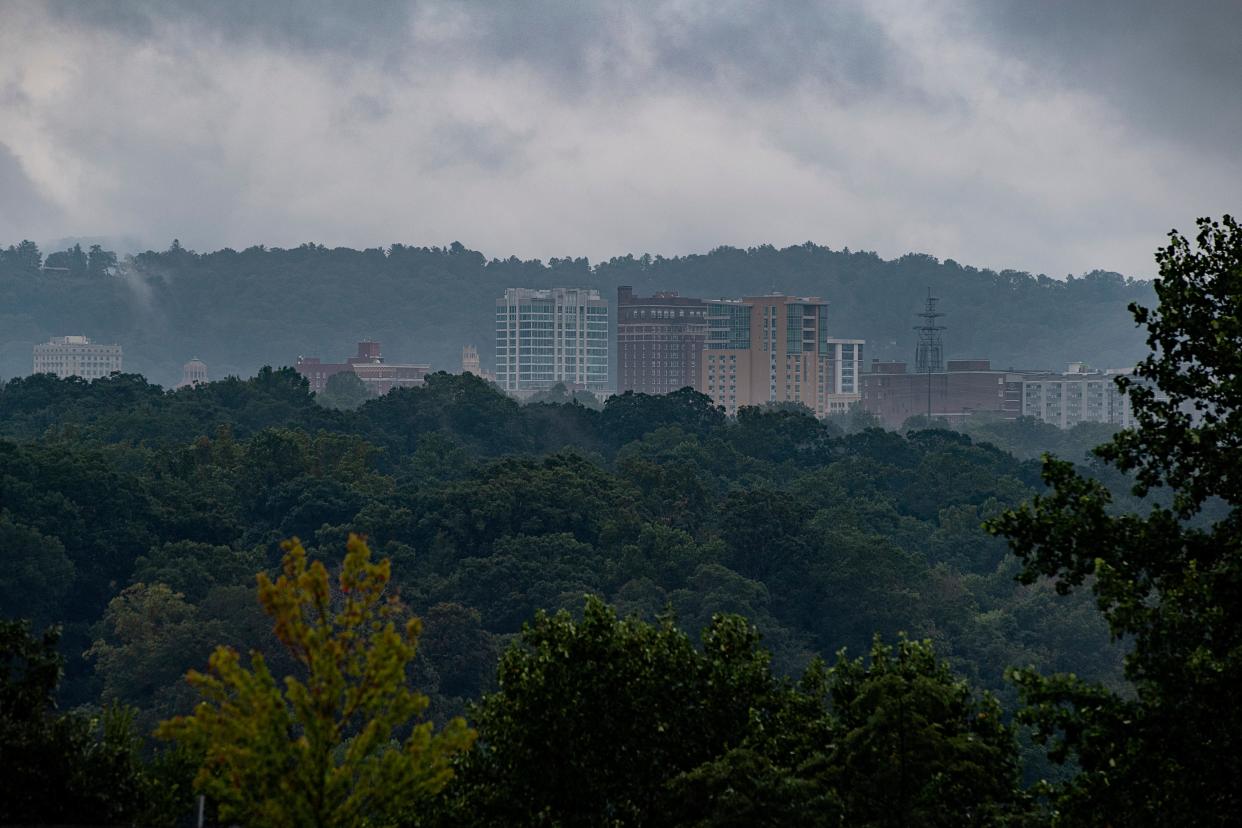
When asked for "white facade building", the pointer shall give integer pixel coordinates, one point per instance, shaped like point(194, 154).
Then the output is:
point(1080, 395)
point(548, 336)
point(76, 356)
point(840, 371)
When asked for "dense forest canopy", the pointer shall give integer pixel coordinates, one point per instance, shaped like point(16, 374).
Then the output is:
point(125, 501)
point(425, 303)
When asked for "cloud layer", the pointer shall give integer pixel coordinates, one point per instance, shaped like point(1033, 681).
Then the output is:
point(1057, 141)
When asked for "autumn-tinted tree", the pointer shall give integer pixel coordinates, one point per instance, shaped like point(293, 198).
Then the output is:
point(335, 748)
point(1167, 580)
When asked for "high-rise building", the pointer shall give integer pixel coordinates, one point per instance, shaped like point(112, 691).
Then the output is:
point(660, 341)
point(777, 349)
point(76, 356)
point(378, 376)
point(545, 337)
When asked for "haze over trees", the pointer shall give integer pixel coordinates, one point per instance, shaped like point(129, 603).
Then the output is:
point(562, 560)
point(424, 303)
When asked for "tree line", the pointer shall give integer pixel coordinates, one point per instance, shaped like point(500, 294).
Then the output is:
point(425, 303)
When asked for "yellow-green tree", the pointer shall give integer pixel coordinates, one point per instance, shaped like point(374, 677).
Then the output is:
point(325, 750)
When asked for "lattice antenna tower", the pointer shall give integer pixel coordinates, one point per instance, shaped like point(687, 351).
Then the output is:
point(929, 355)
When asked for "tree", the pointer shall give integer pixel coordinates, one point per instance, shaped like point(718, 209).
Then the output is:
point(344, 391)
point(594, 717)
point(151, 635)
point(61, 768)
point(1166, 581)
point(24, 256)
point(323, 751)
point(100, 262)
point(914, 745)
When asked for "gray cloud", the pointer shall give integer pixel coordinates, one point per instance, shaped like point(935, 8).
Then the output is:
point(21, 204)
point(1047, 136)
point(361, 29)
point(1171, 68)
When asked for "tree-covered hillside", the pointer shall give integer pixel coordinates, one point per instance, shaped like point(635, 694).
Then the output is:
point(121, 498)
point(423, 304)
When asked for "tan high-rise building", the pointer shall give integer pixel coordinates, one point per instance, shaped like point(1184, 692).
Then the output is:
point(76, 356)
point(470, 360)
point(777, 349)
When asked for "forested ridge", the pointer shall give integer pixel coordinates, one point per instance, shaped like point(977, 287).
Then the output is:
point(491, 510)
point(137, 517)
point(425, 303)
point(645, 614)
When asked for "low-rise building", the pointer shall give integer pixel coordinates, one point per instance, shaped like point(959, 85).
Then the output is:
point(76, 356)
point(379, 376)
point(966, 387)
point(1079, 395)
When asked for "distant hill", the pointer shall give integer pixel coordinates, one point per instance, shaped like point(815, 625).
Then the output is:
point(240, 310)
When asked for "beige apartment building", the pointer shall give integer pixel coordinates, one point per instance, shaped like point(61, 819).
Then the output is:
point(76, 356)
point(777, 348)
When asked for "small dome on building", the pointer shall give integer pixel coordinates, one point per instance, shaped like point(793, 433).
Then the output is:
point(193, 373)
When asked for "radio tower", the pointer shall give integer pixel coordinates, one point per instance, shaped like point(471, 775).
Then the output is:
point(929, 355)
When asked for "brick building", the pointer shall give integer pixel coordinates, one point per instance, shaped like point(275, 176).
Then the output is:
point(368, 365)
point(965, 387)
point(660, 341)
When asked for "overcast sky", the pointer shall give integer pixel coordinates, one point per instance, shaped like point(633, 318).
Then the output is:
point(1056, 137)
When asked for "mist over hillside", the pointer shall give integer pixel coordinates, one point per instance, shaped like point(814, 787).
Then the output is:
point(241, 310)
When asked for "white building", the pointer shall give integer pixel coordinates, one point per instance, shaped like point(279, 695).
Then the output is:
point(76, 356)
point(193, 373)
point(548, 336)
point(840, 383)
point(1080, 395)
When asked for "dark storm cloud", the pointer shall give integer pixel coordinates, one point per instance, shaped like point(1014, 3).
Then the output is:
point(578, 46)
point(1174, 68)
point(362, 28)
point(756, 47)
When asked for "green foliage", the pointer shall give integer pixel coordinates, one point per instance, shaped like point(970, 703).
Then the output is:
point(593, 716)
point(71, 768)
point(821, 540)
point(1170, 749)
point(603, 720)
point(915, 745)
point(344, 392)
point(321, 751)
